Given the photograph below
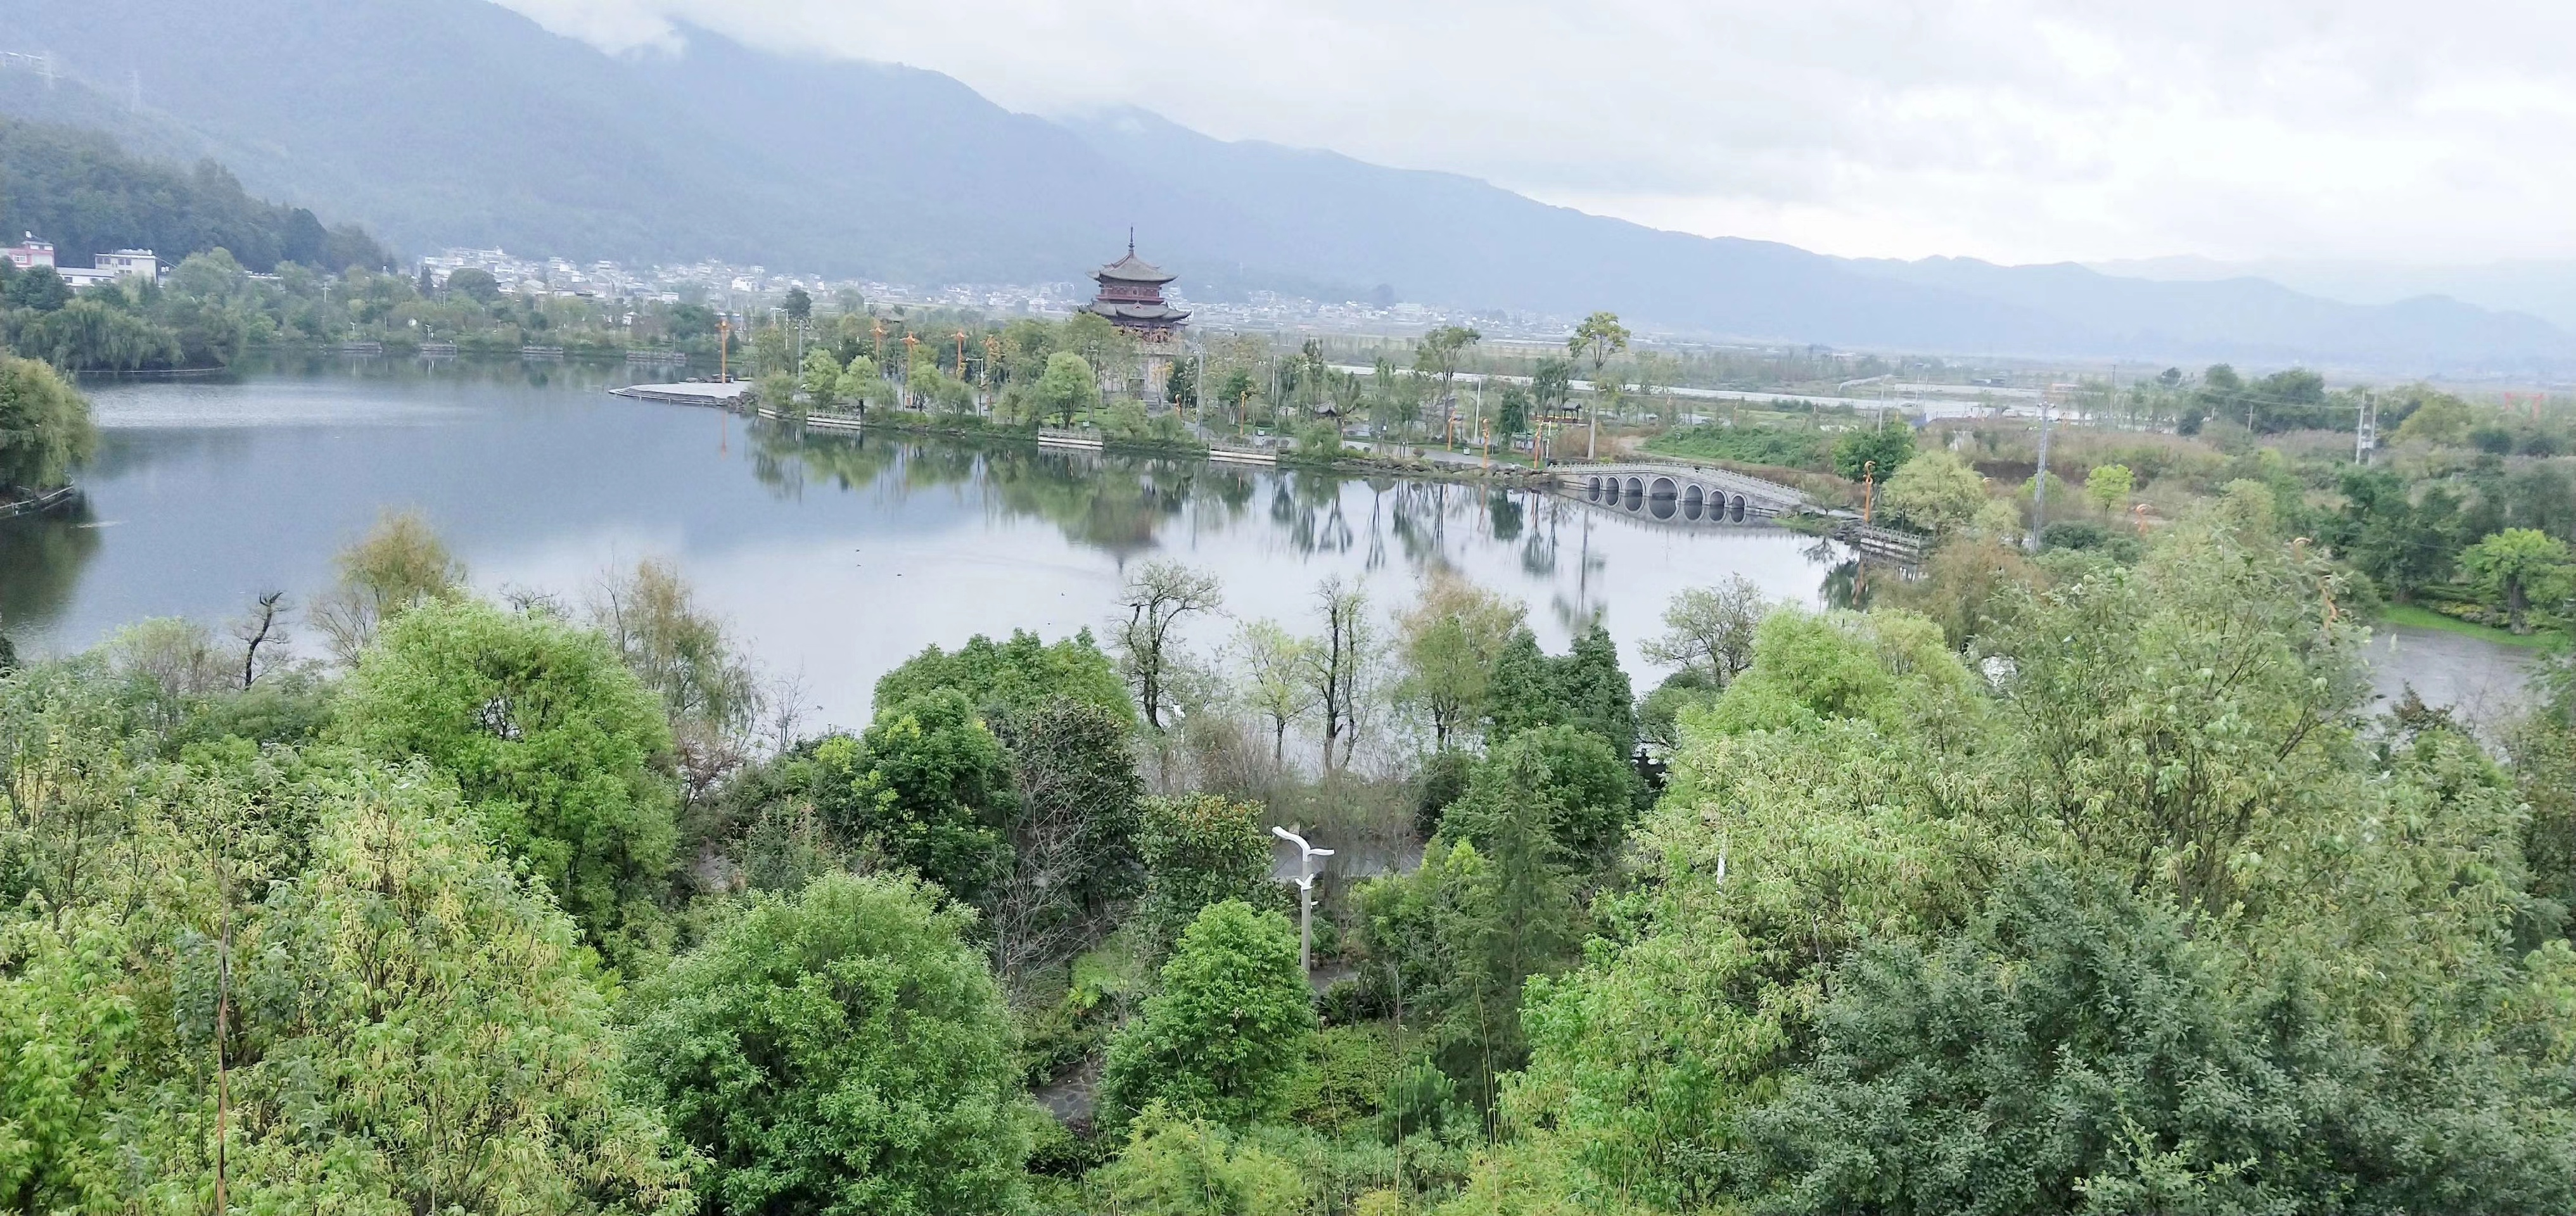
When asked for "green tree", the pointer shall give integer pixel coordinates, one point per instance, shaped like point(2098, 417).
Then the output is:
point(842, 1051)
point(1072, 831)
point(1597, 338)
point(1192, 1167)
point(797, 304)
point(2075, 1048)
point(1438, 356)
point(45, 429)
point(38, 289)
point(445, 1044)
point(1936, 492)
point(556, 745)
point(932, 792)
point(2520, 566)
point(1003, 678)
point(822, 378)
point(398, 565)
point(1590, 794)
point(1456, 941)
point(1585, 687)
point(1710, 629)
point(1068, 387)
point(476, 285)
point(1448, 643)
point(1228, 1032)
point(860, 382)
point(1874, 451)
point(2402, 541)
point(1512, 414)
point(1270, 678)
point(407, 1022)
point(1199, 850)
point(676, 647)
point(2441, 420)
point(2108, 486)
point(1551, 385)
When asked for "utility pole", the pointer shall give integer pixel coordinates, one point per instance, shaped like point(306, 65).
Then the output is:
point(2039, 484)
point(1306, 855)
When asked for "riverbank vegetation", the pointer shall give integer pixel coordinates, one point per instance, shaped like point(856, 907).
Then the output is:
point(2084, 876)
point(45, 430)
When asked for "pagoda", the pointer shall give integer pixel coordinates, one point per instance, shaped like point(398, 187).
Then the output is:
point(1131, 298)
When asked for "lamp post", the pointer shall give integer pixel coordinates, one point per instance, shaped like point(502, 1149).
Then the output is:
point(1306, 855)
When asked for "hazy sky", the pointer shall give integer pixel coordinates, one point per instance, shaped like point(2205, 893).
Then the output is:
point(2021, 131)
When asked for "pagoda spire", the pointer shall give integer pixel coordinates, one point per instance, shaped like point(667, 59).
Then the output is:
point(1131, 240)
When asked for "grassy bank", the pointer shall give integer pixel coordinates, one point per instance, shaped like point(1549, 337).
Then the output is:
point(2418, 617)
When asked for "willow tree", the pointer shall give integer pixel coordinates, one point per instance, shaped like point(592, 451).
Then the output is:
point(45, 429)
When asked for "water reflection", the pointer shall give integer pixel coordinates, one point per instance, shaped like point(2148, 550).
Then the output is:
point(41, 560)
point(836, 554)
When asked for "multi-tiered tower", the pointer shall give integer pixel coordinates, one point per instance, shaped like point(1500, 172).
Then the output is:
point(1131, 298)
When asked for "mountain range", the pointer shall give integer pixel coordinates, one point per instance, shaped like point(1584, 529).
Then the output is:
point(457, 122)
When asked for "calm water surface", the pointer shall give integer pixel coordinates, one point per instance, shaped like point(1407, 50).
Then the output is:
point(833, 556)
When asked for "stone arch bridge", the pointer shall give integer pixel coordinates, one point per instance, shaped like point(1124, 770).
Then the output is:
point(1679, 492)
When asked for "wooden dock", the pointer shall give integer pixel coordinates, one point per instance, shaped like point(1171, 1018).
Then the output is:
point(720, 395)
point(1242, 454)
point(1058, 437)
point(42, 502)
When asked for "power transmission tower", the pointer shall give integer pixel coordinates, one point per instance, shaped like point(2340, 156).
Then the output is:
point(2365, 436)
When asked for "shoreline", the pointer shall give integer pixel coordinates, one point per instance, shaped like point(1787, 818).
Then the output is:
point(1428, 470)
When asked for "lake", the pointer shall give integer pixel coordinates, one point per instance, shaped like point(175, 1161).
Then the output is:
point(830, 556)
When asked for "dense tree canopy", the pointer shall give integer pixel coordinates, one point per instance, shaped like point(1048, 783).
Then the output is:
point(1228, 1031)
point(554, 742)
point(1000, 677)
point(45, 429)
point(843, 1051)
point(2087, 878)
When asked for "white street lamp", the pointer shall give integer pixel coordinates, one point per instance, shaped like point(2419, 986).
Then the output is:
point(1306, 855)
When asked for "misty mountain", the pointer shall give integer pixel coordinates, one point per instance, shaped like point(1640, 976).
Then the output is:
point(2543, 287)
point(456, 122)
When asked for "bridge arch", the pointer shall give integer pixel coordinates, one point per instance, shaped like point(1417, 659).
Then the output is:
point(1642, 487)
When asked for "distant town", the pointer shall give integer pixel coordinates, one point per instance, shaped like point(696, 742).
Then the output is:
point(741, 288)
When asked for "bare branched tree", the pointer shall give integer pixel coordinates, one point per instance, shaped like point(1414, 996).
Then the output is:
point(1156, 597)
point(265, 626)
point(1335, 663)
point(784, 703)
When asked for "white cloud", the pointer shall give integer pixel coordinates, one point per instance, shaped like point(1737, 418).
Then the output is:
point(2014, 129)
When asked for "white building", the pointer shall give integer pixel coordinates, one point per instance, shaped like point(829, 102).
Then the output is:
point(131, 263)
point(109, 267)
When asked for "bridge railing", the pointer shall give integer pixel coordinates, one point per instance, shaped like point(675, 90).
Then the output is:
point(1709, 475)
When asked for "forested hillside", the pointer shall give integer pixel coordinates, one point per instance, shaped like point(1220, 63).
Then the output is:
point(78, 189)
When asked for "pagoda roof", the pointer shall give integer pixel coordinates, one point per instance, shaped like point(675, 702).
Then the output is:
point(1117, 310)
point(1133, 269)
